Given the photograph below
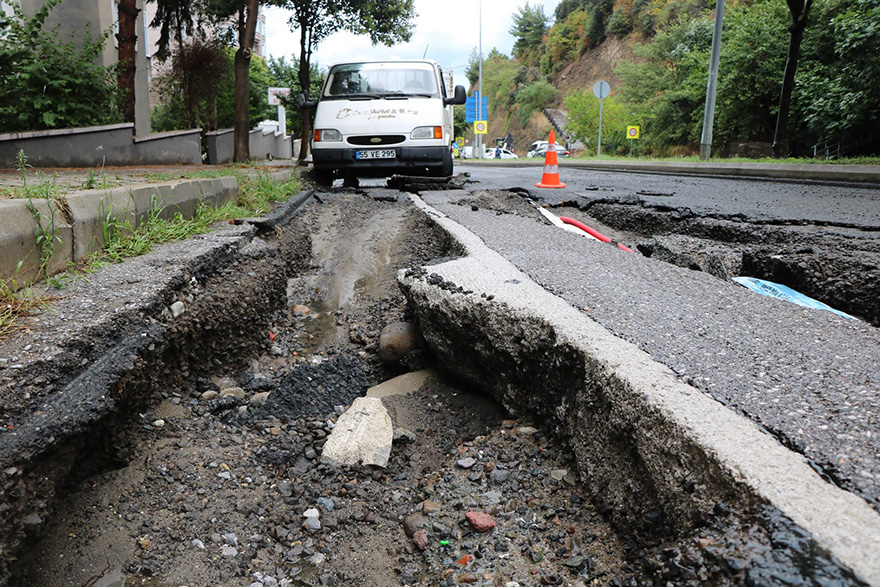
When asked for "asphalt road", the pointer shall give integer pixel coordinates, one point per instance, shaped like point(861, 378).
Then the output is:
point(809, 377)
point(756, 200)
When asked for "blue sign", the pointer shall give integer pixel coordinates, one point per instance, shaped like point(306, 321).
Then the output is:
point(470, 108)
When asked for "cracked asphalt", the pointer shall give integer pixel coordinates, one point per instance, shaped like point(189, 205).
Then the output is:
point(808, 377)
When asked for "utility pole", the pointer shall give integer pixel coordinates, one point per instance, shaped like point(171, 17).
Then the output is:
point(479, 138)
point(712, 85)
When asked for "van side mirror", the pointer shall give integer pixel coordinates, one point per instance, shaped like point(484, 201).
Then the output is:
point(304, 101)
point(460, 97)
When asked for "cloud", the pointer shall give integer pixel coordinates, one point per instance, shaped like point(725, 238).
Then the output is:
point(446, 32)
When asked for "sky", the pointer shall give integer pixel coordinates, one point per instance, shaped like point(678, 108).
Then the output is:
point(445, 31)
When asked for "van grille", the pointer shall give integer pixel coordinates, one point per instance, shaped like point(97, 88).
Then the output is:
point(377, 140)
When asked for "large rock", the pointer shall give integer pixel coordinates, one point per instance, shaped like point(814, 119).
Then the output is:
point(363, 434)
point(405, 384)
point(396, 340)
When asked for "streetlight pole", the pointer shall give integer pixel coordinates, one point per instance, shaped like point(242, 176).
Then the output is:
point(712, 85)
point(479, 138)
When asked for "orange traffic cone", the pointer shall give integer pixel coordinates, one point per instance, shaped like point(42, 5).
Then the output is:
point(551, 166)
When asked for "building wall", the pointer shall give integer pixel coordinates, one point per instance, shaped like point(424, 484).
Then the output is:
point(75, 17)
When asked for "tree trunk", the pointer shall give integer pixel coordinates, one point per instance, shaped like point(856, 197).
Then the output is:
point(799, 13)
point(305, 83)
point(247, 26)
point(127, 39)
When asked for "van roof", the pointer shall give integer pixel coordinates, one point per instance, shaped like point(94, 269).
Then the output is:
point(395, 61)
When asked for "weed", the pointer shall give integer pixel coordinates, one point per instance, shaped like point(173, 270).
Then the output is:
point(15, 305)
point(48, 235)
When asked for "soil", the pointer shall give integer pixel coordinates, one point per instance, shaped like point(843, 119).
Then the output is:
point(214, 489)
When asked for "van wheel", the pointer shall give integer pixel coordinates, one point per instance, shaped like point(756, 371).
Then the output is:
point(445, 170)
point(323, 176)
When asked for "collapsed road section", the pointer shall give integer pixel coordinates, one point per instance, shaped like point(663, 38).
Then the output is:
point(100, 352)
point(166, 423)
point(650, 440)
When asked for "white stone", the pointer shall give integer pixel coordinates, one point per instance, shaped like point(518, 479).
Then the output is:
point(177, 308)
point(363, 434)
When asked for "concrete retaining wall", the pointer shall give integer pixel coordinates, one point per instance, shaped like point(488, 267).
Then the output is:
point(101, 145)
point(80, 221)
point(262, 144)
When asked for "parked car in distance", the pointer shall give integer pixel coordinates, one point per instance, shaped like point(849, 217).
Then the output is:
point(466, 152)
point(539, 149)
point(497, 153)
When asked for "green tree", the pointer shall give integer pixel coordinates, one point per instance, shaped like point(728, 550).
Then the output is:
point(286, 75)
point(752, 55)
point(565, 41)
point(384, 21)
point(499, 81)
point(49, 83)
point(665, 90)
point(837, 91)
point(533, 97)
point(800, 12)
point(176, 20)
point(566, 7)
point(583, 121)
point(192, 86)
point(530, 25)
point(472, 73)
point(244, 14)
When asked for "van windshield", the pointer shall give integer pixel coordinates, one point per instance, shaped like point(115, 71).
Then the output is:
point(381, 80)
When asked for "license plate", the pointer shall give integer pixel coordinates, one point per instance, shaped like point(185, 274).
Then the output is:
point(383, 154)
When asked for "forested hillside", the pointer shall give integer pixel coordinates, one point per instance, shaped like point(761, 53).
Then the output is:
point(655, 54)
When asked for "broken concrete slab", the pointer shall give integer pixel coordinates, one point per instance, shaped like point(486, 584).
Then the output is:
point(644, 439)
point(363, 434)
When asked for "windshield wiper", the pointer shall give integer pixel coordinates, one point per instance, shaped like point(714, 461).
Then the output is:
point(364, 97)
point(405, 95)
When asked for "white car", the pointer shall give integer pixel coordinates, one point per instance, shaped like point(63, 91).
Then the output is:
point(539, 149)
point(496, 153)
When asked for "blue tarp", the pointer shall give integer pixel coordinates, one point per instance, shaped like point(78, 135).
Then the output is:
point(782, 292)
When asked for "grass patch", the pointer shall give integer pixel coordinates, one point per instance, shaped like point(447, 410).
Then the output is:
point(14, 306)
point(257, 195)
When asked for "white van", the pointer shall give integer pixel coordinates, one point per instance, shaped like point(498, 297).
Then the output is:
point(380, 118)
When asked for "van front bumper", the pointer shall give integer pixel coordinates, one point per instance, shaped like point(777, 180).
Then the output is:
point(407, 159)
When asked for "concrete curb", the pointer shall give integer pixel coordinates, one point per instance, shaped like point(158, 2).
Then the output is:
point(638, 430)
point(82, 217)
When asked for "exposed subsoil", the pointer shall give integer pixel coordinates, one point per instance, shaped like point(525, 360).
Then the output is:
point(214, 489)
point(211, 490)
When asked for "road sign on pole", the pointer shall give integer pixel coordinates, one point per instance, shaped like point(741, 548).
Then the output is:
point(474, 111)
point(481, 127)
point(274, 95)
point(632, 133)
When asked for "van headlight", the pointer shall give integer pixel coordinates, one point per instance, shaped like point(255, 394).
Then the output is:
point(427, 132)
point(327, 135)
